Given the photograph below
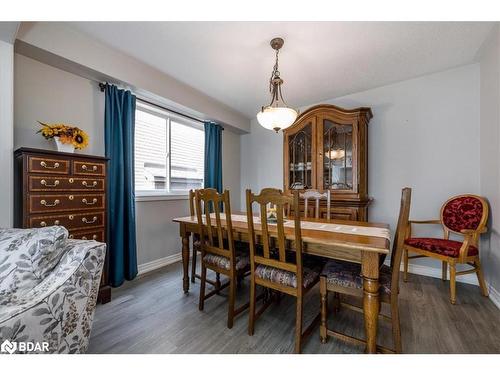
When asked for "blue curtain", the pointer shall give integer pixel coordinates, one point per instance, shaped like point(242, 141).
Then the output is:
point(213, 156)
point(119, 122)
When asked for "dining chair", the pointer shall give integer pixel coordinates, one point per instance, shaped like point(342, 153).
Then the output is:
point(464, 215)
point(197, 247)
point(218, 251)
point(316, 196)
point(346, 279)
point(277, 269)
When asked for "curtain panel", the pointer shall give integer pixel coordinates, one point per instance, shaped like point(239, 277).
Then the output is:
point(213, 156)
point(119, 123)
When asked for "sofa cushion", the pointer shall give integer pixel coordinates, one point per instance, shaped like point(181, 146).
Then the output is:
point(27, 256)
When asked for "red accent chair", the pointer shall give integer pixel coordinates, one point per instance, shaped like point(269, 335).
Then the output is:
point(465, 215)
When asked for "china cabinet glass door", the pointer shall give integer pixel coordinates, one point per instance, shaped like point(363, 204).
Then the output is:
point(300, 153)
point(337, 156)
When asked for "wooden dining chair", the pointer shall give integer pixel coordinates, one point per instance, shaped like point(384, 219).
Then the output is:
point(197, 247)
point(277, 269)
point(464, 215)
point(316, 196)
point(218, 251)
point(346, 279)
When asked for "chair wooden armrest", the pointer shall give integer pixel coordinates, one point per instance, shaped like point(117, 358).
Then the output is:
point(437, 221)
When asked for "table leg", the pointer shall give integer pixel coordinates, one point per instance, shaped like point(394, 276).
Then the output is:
point(185, 262)
point(371, 301)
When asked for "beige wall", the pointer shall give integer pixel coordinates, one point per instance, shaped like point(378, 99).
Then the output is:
point(424, 134)
point(6, 132)
point(489, 57)
point(45, 93)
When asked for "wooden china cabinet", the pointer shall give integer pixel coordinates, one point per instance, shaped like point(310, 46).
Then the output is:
point(326, 149)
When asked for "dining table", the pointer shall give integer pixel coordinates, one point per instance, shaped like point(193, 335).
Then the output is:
point(352, 241)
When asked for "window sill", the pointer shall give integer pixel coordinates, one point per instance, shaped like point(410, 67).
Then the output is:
point(161, 197)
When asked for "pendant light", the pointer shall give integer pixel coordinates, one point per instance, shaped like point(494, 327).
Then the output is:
point(277, 115)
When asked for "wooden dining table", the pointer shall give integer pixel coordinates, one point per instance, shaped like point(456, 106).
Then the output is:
point(353, 241)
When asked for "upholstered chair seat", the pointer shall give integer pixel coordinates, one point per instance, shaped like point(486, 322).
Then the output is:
point(440, 246)
point(242, 261)
point(348, 275)
point(287, 278)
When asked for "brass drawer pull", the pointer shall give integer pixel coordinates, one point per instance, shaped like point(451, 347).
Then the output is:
point(94, 184)
point(94, 237)
point(43, 224)
point(44, 164)
point(94, 168)
point(84, 237)
point(44, 183)
point(43, 202)
point(56, 222)
point(94, 201)
point(70, 236)
point(86, 221)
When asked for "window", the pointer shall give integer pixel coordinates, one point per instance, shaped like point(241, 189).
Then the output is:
point(169, 152)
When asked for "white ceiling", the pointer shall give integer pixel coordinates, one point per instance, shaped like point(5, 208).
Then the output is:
point(232, 61)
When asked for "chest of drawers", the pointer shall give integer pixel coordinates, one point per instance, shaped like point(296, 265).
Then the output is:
point(55, 188)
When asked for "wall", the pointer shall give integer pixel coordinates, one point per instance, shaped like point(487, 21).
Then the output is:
point(6, 132)
point(45, 93)
point(489, 57)
point(424, 134)
point(50, 95)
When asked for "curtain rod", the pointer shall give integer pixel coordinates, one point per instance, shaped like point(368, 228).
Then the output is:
point(102, 87)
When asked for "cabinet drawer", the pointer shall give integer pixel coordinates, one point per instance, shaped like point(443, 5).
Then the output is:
point(40, 203)
point(86, 168)
point(50, 165)
point(42, 183)
point(96, 235)
point(341, 213)
point(69, 221)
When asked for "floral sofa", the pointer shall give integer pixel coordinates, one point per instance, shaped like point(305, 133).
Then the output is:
point(48, 289)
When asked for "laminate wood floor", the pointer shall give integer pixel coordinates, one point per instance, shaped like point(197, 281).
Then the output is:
point(152, 315)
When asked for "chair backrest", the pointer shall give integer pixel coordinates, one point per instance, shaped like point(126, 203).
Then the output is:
point(191, 202)
point(399, 239)
point(464, 212)
point(211, 230)
point(276, 198)
point(316, 196)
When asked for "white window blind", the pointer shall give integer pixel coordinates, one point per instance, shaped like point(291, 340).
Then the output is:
point(169, 152)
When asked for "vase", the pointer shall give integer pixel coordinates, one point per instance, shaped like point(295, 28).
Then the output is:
point(64, 147)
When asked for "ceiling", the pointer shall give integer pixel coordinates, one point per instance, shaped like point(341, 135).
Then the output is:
point(232, 61)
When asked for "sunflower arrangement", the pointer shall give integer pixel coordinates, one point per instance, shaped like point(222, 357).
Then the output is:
point(67, 134)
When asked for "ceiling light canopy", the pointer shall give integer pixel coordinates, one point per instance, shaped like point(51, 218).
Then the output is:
point(277, 115)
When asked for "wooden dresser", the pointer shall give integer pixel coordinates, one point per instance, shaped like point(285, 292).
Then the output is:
point(56, 188)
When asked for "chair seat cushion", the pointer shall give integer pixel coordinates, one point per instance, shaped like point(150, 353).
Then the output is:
point(348, 275)
point(287, 278)
point(440, 246)
point(242, 261)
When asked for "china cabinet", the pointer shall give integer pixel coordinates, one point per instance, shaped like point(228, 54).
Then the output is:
point(326, 149)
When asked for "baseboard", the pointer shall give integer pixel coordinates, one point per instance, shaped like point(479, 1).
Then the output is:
point(419, 269)
point(158, 263)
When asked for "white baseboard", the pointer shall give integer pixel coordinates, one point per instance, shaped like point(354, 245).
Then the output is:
point(158, 263)
point(419, 269)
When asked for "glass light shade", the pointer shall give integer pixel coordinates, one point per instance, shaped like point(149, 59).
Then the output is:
point(277, 118)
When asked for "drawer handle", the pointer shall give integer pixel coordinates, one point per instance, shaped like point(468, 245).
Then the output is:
point(86, 221)
point(94, 184)
point(94, 168)
point(94, 201)
point(43, 202)
point(44, 183)
point(94, 237)
point(56, 222)
point(43, 224)
point(70, 236)
point(71, 217)
point(84, 237)
point(44, 164)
